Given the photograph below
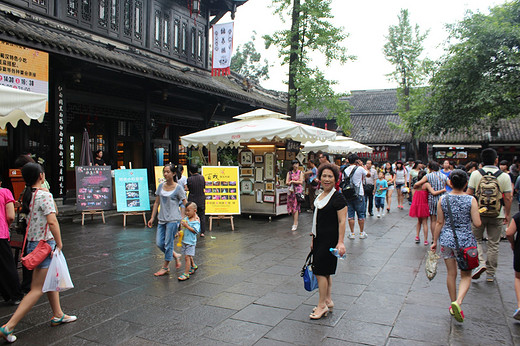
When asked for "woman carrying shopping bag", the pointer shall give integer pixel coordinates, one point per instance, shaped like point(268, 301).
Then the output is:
point(42, 225)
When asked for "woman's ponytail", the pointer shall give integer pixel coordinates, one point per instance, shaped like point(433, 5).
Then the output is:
point(30, 173)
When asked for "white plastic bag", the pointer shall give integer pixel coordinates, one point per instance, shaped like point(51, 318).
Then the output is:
point(431, 264)
point(58, 276)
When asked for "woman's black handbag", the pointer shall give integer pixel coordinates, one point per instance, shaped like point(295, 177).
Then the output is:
point(300, 197)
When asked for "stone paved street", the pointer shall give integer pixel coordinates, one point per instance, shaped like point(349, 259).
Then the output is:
point(248, 291)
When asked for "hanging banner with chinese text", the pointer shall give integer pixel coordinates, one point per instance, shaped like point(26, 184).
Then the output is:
point(132, 190)
point(93, 188)
point(222, 190)
point(222, 49)
point(24, 68)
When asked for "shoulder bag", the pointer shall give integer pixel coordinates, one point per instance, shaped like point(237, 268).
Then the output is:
point(310, 283)
point(42, 250)
point(467, 258)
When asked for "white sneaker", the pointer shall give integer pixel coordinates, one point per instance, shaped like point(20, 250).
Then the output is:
point(363, 235)
point(378, 215)
point(351, 236)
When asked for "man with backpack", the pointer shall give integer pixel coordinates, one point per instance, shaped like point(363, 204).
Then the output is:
point(352, 189)
point(492, 189)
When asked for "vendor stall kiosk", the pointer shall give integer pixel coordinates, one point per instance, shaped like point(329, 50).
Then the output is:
point(265, 140)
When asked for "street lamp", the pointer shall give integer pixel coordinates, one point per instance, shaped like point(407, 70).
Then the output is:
point(195, 7)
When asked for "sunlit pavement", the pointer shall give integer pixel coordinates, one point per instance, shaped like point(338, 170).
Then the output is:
point(248, 290)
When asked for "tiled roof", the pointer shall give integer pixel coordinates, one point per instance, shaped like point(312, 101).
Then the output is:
point(59, 38)
point(376, 129)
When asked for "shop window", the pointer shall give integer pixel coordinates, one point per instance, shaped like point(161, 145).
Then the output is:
point(193, 42)
point(166, 32)
point(120, 154)
point(183, 154)
point(114, 15)
point(72, 8)
point(176, 35)
point(184, 38)
point(102, 18)
point(200, 45)
point(97, 142)
point(138, 20)
point(157, 34)
point(86, 10)
point(127, 16)
point(122, 128)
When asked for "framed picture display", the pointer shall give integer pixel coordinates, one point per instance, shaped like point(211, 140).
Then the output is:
point(269, 198)
point(246, 172)
point(289, 155)
point(246, 158)
point(269, 186)
point(246, 187)
point(280, 154)
point(259, 194)
point(269, 166)
point(259, 159)
point(259, 174)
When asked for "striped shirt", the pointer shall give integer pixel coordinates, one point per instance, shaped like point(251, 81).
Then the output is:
point(438, 182)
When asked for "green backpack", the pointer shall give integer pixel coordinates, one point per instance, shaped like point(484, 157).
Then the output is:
point(488, 193)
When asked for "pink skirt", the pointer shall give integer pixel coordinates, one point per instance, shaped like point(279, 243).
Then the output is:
point(419, 206)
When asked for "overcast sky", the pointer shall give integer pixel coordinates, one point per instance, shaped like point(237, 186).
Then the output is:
point(367, 24)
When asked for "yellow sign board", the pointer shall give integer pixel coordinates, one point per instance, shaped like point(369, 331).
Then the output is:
point(24, 68)
point(222, 190)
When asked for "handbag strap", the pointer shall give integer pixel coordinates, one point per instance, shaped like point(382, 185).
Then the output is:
point(29, 221)
point(452, 224)
point(308, 262)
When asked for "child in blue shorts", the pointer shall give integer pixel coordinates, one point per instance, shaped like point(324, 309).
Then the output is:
point(191, 223)
point(381, 187)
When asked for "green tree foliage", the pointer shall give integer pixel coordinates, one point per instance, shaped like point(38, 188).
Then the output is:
point(311, 33)
point(478, 80)
point(247, 62)
point(403, 49)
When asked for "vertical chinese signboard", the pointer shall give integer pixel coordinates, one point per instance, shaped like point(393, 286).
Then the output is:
point(222, 49)
point(132, 190)
point(93, 188)
point(24, 68)
point(222, 190)
point(61, 139)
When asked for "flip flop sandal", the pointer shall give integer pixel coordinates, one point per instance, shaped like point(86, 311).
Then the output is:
point(193, 269)
point(183, 277)
point(451, 311)
point(57, 321)
point(166, 271)
point(457, 312)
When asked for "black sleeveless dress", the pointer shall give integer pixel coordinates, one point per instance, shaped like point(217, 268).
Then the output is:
point(327, 224)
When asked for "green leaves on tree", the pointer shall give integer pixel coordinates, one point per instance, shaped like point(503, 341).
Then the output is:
point(247, 62)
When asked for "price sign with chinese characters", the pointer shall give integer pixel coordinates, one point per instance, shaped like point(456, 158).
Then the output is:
point(24, 68)
point(93, 188)
point(222, 190)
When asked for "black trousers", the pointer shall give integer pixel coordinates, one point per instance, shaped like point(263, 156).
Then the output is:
point(369, 201)
point(9, 283)
point(201, 212)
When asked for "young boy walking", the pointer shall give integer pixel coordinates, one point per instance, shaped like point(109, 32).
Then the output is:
point(381, 187)
point(191, 223)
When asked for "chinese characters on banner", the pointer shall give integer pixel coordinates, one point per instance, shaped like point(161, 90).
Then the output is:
point(222, 190)
point(93, 188)
point(61, 141)
point(132, 189)
point(24, 68)
point(222, 49)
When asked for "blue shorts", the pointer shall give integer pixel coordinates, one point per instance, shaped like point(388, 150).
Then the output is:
point(380, 202)
point(398, 187)
point(31, 245)
point(356, 206)
point(188, 249)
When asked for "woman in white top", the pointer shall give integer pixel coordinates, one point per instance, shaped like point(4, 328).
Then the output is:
point(39, 205)
point(169, 196)
point(401, 176)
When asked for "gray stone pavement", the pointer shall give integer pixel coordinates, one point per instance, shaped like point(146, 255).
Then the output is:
point(248, 291)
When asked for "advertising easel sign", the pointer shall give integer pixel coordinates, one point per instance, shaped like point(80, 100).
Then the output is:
point(159, 177)
point(93, 188)
point(132, 190)
point(222, 190)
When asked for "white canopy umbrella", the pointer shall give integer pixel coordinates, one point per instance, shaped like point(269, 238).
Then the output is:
point(16, 104)
point(257, 126)
point(341, 145)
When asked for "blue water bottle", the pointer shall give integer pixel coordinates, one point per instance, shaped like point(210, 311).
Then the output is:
point(335, 252)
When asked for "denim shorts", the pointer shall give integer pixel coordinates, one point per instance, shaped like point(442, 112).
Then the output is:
point(380, 202)
point(356, 206)
point(399, 186)
point(31, 245)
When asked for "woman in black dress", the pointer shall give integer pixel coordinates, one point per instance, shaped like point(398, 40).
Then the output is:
point(328, 230)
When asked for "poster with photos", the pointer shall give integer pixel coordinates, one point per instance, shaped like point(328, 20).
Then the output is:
point(132, 190)
point(222, 190)
point(93, 188)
